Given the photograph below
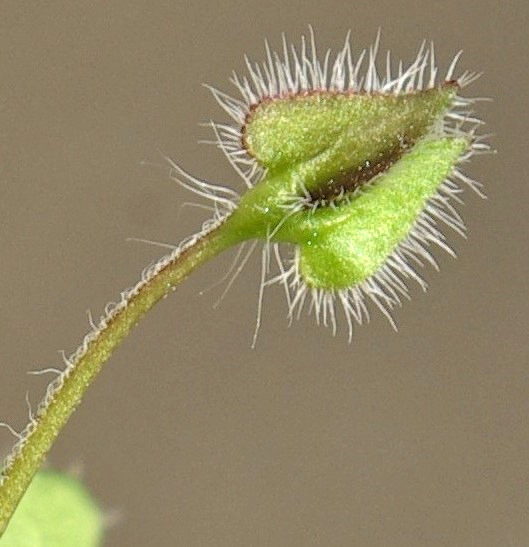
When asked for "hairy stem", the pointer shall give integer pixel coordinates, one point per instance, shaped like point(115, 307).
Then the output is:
point(58, 405)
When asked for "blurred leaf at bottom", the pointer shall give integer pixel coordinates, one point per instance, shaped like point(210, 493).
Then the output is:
point(56, 511)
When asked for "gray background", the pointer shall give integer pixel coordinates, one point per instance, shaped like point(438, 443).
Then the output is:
point(416, 438)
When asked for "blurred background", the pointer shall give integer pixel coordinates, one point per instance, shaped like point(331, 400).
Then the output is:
point(412, 438)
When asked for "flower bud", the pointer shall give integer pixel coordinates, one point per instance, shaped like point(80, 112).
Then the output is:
point(354, 172)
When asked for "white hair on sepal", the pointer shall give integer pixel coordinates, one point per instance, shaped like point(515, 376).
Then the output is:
point(387, 287)
point(296, 73)
point(293, 71)
point(297, 70)
point(228, 139)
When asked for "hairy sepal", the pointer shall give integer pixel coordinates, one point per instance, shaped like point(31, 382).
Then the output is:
point(327, 132)
point(343, 247)
point(312, 138)
point(324, 148)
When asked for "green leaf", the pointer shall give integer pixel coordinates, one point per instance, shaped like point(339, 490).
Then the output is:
point(56, 511)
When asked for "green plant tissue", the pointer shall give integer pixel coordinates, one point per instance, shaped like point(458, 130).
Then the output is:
point(56, 511)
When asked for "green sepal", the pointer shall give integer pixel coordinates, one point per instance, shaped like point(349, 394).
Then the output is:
point(342, 247)
point(308, 142)
point(329, 131)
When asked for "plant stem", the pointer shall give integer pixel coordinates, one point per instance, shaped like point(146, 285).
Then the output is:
point(55, 410)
